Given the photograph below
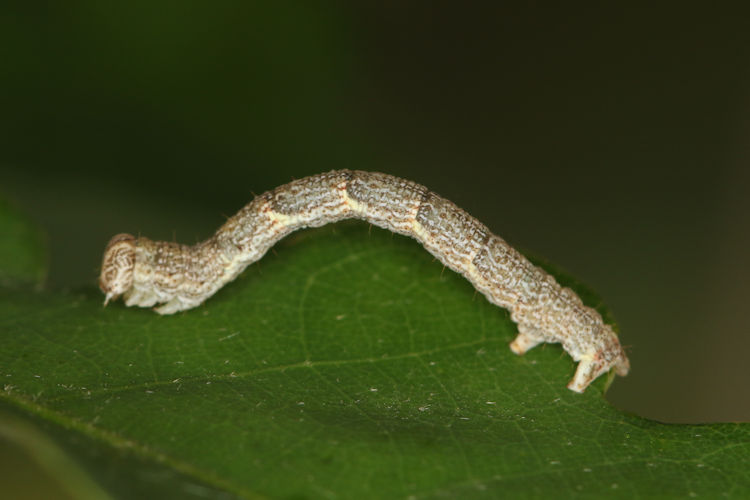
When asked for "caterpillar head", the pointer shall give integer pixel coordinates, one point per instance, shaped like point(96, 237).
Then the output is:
point(118, 266)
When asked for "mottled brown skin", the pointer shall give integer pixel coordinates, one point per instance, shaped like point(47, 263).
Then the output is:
point(180, 277)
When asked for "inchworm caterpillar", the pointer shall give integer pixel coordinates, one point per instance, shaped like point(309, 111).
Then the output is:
point(180, 277)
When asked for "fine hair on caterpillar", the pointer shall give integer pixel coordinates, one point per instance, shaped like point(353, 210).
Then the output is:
point(178, 277)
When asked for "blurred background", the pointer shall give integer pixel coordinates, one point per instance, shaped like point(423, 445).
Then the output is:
point(614, 141)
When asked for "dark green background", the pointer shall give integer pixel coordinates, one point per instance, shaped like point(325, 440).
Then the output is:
point(612, 141)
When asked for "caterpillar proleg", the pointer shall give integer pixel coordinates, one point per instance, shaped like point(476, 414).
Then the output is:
point(179, 277)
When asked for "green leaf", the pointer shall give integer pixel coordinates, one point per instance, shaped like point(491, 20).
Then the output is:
point(346, 364)
point(22, 256)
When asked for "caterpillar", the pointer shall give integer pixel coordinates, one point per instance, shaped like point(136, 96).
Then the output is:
point(180, 277)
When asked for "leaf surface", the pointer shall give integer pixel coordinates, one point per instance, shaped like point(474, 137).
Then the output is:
point(346, 364)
